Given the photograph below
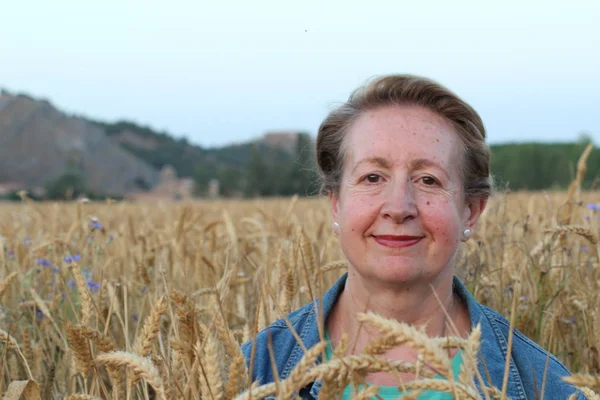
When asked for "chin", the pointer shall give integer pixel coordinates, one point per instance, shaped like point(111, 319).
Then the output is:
point(394, 273)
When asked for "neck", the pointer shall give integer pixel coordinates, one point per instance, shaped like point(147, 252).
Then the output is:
point(413, 303)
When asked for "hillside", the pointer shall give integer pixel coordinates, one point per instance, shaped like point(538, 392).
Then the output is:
point(38, 143)
point(271, 165)
point(160, 149)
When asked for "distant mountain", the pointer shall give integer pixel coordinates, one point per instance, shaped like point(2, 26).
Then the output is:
point(229, 163)
point(38, 143)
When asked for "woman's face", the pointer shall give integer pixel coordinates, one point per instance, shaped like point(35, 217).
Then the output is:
point(401, 207)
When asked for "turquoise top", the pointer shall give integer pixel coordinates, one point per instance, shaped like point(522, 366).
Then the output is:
point(392, 392)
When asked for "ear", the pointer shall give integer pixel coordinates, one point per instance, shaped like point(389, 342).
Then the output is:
point(474, 209)
point(334, 202)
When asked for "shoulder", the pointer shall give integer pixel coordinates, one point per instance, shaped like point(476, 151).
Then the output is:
point(535, 364)
point(277, 342)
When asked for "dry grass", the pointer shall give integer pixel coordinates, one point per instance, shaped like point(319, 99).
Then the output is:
point(163, 294)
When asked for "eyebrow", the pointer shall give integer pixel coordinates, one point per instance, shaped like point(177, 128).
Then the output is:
point(419, 163)
point(382, 162)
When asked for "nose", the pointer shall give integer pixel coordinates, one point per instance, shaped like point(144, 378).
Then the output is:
point(399, 204)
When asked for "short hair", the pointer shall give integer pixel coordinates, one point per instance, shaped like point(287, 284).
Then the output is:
point(408, 90)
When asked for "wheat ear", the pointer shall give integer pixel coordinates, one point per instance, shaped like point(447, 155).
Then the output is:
point(336, 368)
point(367, 393)
point(582, 231)
point(584, 380)
point(6, 282)
point(84, 295)
point(12, 343)
point(140, 366)
point(143, 344)
point(81, 349)
point(411, 336)
point(290, 385)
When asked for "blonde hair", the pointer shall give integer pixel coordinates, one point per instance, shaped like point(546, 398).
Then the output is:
point(406, 90)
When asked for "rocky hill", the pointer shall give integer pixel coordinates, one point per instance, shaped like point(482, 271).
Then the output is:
point(38, 143)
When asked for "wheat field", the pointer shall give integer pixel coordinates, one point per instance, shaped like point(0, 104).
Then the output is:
point(120, 300)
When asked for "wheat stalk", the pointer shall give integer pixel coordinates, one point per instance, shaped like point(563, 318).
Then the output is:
point(582, 231)
point(84, 295)
point(140, 366)
point(5, 283)
point(12, 343)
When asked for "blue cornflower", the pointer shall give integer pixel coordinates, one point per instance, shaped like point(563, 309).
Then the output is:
point(27, 241)
point(593, 207)
point(93, 286)
point(45, 263)
point(75, 258)
point(135, 317)
point(110, 238)
point(39, 314)
point(95, 225)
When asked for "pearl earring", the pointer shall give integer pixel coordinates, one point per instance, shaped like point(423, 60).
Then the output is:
point(467, 233)
point(336, 226)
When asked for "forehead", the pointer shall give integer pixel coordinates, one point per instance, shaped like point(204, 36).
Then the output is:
point(401, 134)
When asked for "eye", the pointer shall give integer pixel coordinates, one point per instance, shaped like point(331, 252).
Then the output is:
point(373, 178)
point(429, 181)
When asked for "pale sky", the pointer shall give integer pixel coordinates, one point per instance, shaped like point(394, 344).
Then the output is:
point(218, 72)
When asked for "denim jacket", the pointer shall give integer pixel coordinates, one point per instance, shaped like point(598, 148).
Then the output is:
point(527, 363)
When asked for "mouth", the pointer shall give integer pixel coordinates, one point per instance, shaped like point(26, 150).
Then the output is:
point(397, 241)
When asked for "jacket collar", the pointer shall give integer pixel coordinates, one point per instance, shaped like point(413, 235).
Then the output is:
point(492, 354)
point(494, 346)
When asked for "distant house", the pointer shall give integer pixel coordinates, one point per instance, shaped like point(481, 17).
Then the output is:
point(10, 187)
point(282, 139)
point(169, 188)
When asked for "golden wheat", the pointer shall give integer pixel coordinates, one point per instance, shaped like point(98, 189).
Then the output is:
point(173, 288)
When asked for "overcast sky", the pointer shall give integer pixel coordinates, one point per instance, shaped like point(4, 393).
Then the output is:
point(218, 72)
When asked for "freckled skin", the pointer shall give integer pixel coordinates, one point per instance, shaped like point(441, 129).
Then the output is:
point(401, 198)
point(401, 177)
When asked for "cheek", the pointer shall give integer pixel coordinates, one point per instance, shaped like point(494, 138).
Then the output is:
point(443, 222)
point(357, 213)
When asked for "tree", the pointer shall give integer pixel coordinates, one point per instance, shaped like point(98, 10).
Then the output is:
point(229, 182)
point(585, 138)
point(68, 185)
point(257, 183)
point(202, 179)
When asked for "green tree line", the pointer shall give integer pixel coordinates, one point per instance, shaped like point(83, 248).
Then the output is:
point(518, 166)
point(539, 166)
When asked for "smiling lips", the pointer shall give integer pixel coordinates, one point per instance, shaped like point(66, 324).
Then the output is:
point(396, 241)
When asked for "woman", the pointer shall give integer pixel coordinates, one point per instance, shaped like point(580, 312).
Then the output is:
point(407, 172)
